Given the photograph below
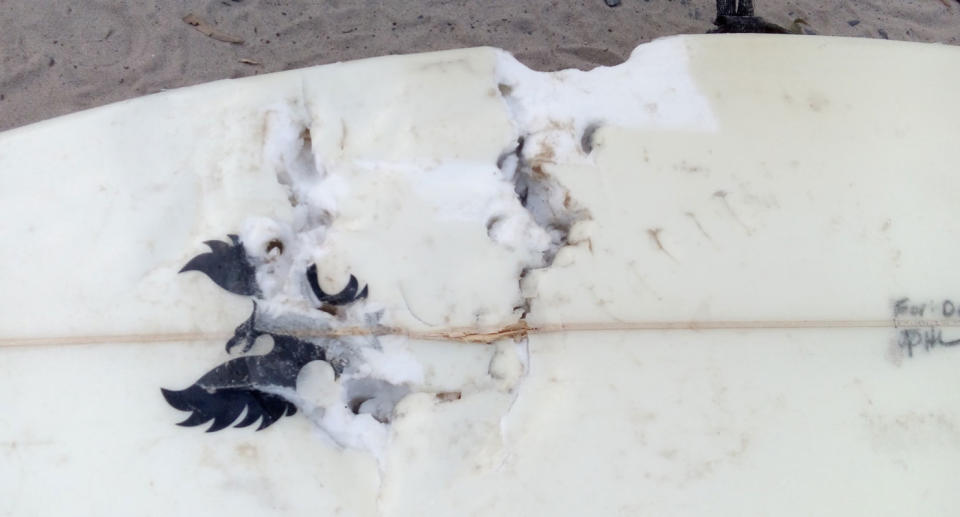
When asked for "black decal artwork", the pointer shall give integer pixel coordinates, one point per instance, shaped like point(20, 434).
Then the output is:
point(252, 385)
point(246, 383)
point(227, 266)
point(345, 296)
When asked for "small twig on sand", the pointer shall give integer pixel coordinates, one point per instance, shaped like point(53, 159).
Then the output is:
point(209, 30)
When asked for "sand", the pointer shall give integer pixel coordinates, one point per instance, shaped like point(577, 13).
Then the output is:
point(60, 57)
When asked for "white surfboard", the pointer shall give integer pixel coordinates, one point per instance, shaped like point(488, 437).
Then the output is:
point(718, 279)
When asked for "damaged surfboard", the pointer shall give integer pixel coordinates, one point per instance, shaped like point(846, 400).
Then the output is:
point(448, 284)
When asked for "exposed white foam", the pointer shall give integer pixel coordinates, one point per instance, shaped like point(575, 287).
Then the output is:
point(434, 212)
point(556, 108)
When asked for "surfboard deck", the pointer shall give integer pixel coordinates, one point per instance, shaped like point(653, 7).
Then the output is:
point(716, 279)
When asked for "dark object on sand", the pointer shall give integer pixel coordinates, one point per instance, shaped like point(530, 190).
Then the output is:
point(612, 3)
point(737, 17)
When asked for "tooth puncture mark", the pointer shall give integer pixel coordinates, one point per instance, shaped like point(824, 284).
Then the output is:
point(374, 397)
point(348, 295)
point(586, 141)
point(449, 396)
point(548, 202)
point(492, 224)
point(275, 244)
point(227, 266)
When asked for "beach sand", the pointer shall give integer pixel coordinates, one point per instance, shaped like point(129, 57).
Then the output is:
point(60, 57)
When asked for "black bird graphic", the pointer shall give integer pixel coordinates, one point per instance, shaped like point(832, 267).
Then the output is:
point(248, 382)
point(227, 266)
point(251, 383)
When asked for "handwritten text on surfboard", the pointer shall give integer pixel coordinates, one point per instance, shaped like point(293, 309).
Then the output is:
point(923, 320)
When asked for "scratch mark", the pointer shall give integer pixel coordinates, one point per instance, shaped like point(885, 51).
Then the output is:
point(642, 280)
point(654, 234)
point(722, 195)
point(407, 303)
point(699, 226)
